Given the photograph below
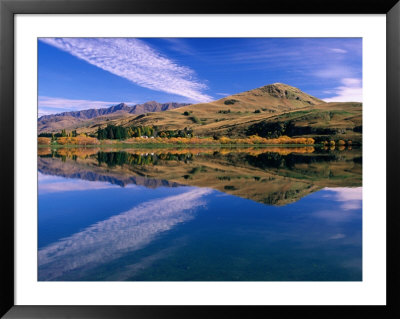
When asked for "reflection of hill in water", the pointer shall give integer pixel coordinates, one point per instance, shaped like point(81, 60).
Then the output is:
point(89, 172)
point(275, 176)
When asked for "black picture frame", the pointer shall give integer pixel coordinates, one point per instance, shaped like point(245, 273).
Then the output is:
point(9, 8)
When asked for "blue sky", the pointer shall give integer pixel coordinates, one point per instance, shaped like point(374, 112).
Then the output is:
point(83, 73)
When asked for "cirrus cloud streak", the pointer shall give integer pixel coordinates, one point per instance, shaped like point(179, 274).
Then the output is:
point(135, 61)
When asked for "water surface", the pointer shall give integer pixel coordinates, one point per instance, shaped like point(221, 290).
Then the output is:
point(269, 214)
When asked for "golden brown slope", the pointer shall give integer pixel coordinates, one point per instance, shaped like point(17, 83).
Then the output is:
point(239, 108)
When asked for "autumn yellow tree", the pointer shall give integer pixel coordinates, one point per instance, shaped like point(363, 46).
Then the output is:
point(44, 140)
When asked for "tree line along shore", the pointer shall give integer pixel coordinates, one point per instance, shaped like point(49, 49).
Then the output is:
point(149, 135)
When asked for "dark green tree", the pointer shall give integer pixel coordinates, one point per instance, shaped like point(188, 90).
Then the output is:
point(110, 132)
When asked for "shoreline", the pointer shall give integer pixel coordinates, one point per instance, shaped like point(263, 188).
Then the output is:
point(170, 145)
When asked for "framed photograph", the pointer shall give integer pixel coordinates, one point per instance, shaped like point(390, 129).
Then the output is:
point(167, 159)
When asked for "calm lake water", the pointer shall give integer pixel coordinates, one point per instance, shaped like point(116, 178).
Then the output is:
point(270, 214)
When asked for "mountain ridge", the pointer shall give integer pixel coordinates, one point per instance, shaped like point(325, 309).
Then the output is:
point(65, 120)
point(150, 106)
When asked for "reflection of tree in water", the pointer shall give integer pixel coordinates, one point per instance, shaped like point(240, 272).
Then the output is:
point(274, 160)
point(325, 165)
point(112, 158)
point(120, 158)
point(262, 175)
point(265, 160)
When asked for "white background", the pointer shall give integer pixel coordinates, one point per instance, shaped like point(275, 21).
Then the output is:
point(370, 291)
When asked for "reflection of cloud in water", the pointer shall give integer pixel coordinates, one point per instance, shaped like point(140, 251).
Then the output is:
point(351, 198)
point(339, 215)
point(43, 177)
point(112, 238)
point(343, 194)
point(351, 205)
point(55, 184)
point(71, 186)
point(129, 271)
point(338, 236)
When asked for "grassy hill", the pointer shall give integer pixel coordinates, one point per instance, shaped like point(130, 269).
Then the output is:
point(242, 108)
point(269, 111)
point(273, 108)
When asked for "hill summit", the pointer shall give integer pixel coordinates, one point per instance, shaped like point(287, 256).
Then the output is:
point(284, 91)
point(275, 95)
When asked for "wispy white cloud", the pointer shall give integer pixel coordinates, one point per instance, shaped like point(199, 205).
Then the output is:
point(350, 91)
point(337, 50)
point(137, 62)
point(180, 45)
point(49, 104)
point(352, 82)
point(334, 72)
point(223, 94)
